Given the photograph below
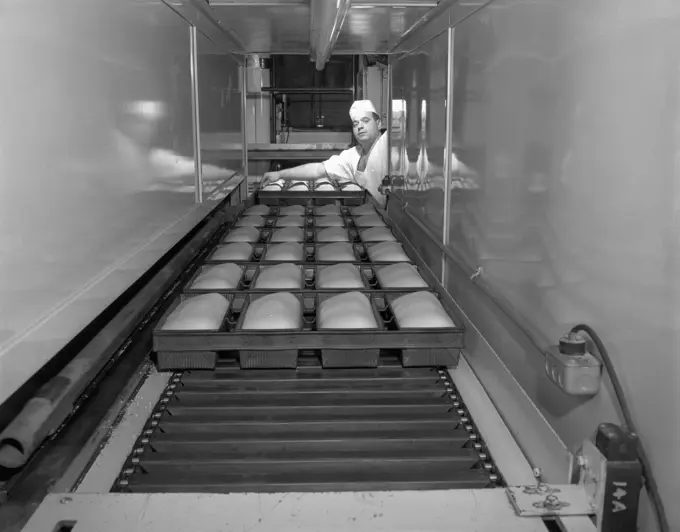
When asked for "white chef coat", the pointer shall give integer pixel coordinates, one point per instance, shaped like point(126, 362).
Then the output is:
point(344, 167)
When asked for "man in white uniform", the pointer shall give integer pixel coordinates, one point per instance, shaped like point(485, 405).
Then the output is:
point(365, 163)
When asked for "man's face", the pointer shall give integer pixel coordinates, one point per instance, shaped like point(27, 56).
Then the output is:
point(365, 127)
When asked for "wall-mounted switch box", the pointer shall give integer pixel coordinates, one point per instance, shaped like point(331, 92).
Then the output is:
point(571, 367)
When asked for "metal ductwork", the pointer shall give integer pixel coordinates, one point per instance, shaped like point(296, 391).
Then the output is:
point(327, 18)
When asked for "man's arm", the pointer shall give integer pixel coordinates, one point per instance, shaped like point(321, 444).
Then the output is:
point(305, 172)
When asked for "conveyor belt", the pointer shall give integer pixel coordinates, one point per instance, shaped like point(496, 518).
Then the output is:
point(309, 429)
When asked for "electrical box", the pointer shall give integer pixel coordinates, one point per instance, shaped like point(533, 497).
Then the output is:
point(571, 367)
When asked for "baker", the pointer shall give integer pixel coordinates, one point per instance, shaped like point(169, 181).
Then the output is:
point(364, 164)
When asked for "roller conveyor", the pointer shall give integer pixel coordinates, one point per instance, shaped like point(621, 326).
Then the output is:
point(309, 429)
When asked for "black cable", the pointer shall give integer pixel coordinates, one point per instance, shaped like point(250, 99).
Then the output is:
point(648, 477)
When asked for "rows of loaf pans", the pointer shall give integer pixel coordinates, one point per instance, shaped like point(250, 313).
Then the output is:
point(309, 222)
point(280, 348)
point(312, 196)
point(310, 236)
point(367, 272)
point(275, 210)
point(260, 252)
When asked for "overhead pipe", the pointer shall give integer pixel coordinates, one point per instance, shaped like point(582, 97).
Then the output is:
point(327, 19)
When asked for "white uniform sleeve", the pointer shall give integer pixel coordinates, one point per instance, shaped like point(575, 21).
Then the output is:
point(342, 166)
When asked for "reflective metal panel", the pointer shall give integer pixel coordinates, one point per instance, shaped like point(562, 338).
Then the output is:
point(96, 160)
point(566, 136)
point(272, 27)
point(219, 89)
point(418, 135)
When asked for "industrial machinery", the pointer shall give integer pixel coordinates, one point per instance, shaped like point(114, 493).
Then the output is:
point(502, 408)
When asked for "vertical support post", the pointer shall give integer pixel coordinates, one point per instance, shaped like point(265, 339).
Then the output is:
point(389, 117)
point(195, 116)
point(448, 150)
point(244, 117)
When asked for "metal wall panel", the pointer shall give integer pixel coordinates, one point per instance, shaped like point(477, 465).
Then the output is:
point(97, 163)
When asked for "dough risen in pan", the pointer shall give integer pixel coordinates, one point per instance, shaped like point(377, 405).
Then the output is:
point(261, 210)
point(332, 234)
point(420, 310)
point(346, 311)
point(336, 252)
point(243, 234)
point(362, 210)
point(339, 276)
point(329, 220)
point(204, 312)
point(288, 251)
point(219, 277)
point(351, 187)
point(400, 275)
point(386, 252)
point(272, 312)
point(291, 209)
point(327, 209)
point(288, 234)
point(291, 220)
point(279, 277)
point(298, 186)
point(377, 234)
point(241, 251)
point(369, 220)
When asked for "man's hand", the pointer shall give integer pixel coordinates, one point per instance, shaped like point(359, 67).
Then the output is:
point(269, 177)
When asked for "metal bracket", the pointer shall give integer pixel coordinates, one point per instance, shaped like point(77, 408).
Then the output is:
point(544, 500)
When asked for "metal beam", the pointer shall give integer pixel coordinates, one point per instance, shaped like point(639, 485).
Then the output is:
point(200, 15)
point(355, 3)
point(327, 18)
point(448, 13)
point(195, 114)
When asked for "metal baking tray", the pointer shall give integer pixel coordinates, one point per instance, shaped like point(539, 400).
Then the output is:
point(231, 337)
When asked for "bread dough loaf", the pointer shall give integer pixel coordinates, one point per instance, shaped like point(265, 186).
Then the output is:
point(363, 210)
point(275, 186)
point(250, 221)
point(261, 210)
point(273, 312)
point(243, 234)
point(298, 186)
point(329, 220)
point(291, 220)
point(279, 277)
point(400, 275)
point(289, 251)
point(369, 220)
point(346, 311)
point(291, 209)
point(336, 252)
point(240, 251)
point(327, 209)
point(324, 185)
point(339, 276)
point(219, 277)
point(377, 234)
point(420, 310)
point(204, 312)
point(332, 234)
point(387, 252)
point(288, 234)
point(351, 187)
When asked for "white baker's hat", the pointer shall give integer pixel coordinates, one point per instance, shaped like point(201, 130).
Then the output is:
point(362, 107)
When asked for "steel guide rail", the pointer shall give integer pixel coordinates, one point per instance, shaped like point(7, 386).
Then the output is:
point(312, 429)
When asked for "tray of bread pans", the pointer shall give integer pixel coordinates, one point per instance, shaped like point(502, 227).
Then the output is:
point(259, 254)
point(309, 279)
point(310, 196)
point(230, 336)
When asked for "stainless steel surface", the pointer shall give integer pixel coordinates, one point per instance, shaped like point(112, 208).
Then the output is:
point(326, 22)
point(244, 120)
point(195, 113)
point(283, 27)
point(563, 226)
point(538, 440)
point(441, 511)
point(97, 160)
point(436, 22)
point(450, 81)
point(207, 26)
